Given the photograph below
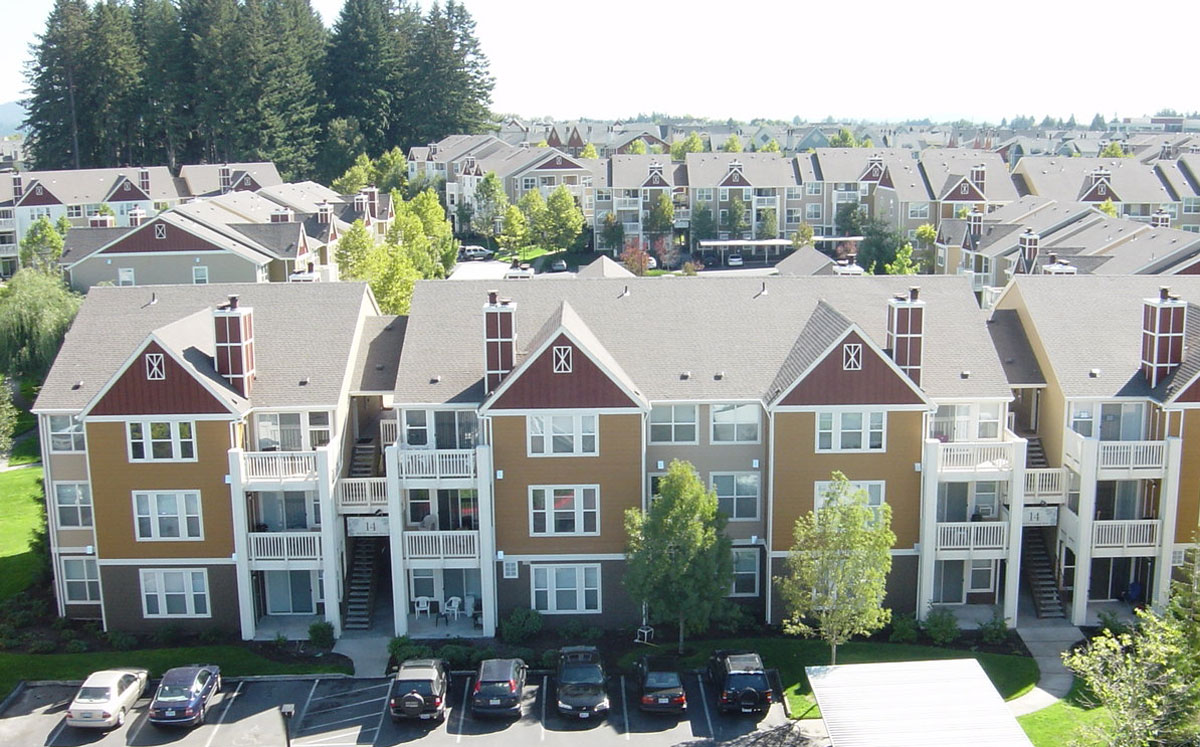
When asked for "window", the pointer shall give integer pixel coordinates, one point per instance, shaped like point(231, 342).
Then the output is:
point(918, 210)
point(1191, 205)
point(813, 188)
point(74, 503)
point(318, 428)
point(160, 230)
point(565, 589)
point(792, 193)
point(168, 516)
point(66, 433)
point(735, 424)
point(562, 359)
point(851, 430)
point(604, 195)
point(199, 275)
point(982, 576)
point(745, 573)
point(873, 488)
point(559, 510)
point(155, 367)
point(562, 435)
point(153, 441)
point(792, 215)
point(1191, 229)
point(81, 580)
point(704, 194)
point(455, 429)
point(1082, 418)
point(528, 183)
point(419, 505)
point(125, 276)
point(673, 424)
point(737, 494)
point(167, 593)
point(279, 431)
point(511, 569)
point(724, 218)
point(852, 357)
point(989, 420)
point(812, 211)
point(74, 211)
point(548, 181)
point(423, 583)
point(416, 428)
point(724, 194)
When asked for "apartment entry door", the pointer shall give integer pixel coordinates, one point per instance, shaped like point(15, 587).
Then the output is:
point(290, 592)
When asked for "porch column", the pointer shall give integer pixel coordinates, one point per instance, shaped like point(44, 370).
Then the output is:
point(391, 468)
point(927, 547)
point(1168, 508)
point(1016, 522)
point(487, 539)
point(1088, 463)
point(331, 540)
point(241, 546)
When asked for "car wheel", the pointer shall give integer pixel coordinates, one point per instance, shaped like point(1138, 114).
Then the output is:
point(217, 689)
point(121, 718)
point(200, 716)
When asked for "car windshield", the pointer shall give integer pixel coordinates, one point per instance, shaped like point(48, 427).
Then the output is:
point(740, 681)
point(92, 695)
point(583, 674)
point(424, 687)
point(662, 680)
point(171, 693)
point(495, 688)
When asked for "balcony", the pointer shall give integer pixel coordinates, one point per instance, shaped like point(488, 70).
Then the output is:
point(1125, 537)
point(453, 545)
point(361, 495)
point(279, 465)
point(766, 202)
point(1117, 460)
point(1045, 484)
point(437, 464)
point(388, 431)
point(993, 458)
point(972, 536)
point(627, 203)
point(281, 546)
point(8, 224)
point(978, 279)
point(8, 250)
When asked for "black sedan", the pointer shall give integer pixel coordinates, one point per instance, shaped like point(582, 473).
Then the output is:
point(184, 695)
point(661, 687)
point(581, 682)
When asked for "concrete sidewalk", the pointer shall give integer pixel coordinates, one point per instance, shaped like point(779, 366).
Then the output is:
point(1047, 641)
point(368, 651)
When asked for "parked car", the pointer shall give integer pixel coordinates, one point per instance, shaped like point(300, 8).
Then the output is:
point(106, 697)
point(735, 260)
point(184, 695)
point(419, 690)
point(581, 682)
point(661, 687)
point(558, 265)
point(475, 252)
point(518, 271)
point(740, 681)
point(499, 684)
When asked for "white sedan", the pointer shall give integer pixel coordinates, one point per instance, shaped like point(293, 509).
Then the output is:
point(106, 697)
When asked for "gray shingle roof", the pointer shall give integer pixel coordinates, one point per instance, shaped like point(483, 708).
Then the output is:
point(1016, 355)
point(81, 242)
point(825, 326)
point(946, 167)
point(759, 169)
point(805, 261)
point(1067, 179)
point(604, 267)
point(379, 354)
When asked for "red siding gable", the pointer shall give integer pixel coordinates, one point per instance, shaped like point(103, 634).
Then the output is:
point(876, 383)
point(177, 393)
point(575, 141)
point(38, 194)
point(1100, 192)
point(127, 191)
point(972, 194)
point(175, 239)
point(558, 162)
point(735, 179)
point(885, 179)
point(538, 387)
point(873, 173)
point(655, 180)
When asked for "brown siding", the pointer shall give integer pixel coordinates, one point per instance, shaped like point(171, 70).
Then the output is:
point(31, 198)
point(179, 393)
point(68, 467)
point(797, 467)
point(901, 595)
point(1187, 520)
point(616, 470)
point(557, 163)
point(587, 386)
point(177, 240)
point(133, 194)
point(616, 608)
point(114, 479)
point(828, 384)
point(83, 611)
point(956, 195)
point(735, 179)
point(123, 603)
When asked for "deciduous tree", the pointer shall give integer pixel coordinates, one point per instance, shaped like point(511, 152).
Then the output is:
point(636, 259)
point(803, 236)
point(690, 144)
point(356, 177)
point(564, 219)
point(733, 144)
point(1108, 207)
point(612, 231)
point(491, 203)
point(534, 208)
point(771, 147)
point(661, 220)
point(768, 225)
point(589, 151)
point(41, 246)
point(36, 308)
point(352, 251)
point(637, 148)
point(8, 416)
point(735, 217)
point(903, 264)
point(514, 236)
point(1114, 150)
point(843, 139)
point(702, 226)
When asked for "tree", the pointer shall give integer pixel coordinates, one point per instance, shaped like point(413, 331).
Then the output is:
point(879, 245)
point(1098, 123)
point(771, 147)
point(564, 220)
point(1108, 207)
point(661, 220)
point(353, 248)
point(36, 308)
point(114, 77)
point(389, 271)
point(514, 235)
point(768, 225)
point(927, 240)
point(449, 87)
point(1114, 150)
point(803, 236)
point(903, 264)
point(636, 259)
point(849, 220)
point(534, 208)
point(589, 151)
point(703, 226)
point(612, 231)
point(389, 172)
point(843, 139)
point(355, 178)
point(491, 203)
point(926, 234)
point(57, 77)
point(690, 144)
point(837, 569)
point(679, 563)
point(735, 217)
point(41, 246)
point(733, 144)
point(363, 66)
point(8, 415)
point(343, 141)
point(443, 248)
point(636, 148)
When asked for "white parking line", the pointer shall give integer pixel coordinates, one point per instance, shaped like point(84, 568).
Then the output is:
point(704, 701)
point(462, 713)
point(57, 730)
point(545, 697)
point(625, 708)
point(379, 725)
point(349, 692)
point(299, 717)
point(335, 723)
point(224, 713)
point(347, 705)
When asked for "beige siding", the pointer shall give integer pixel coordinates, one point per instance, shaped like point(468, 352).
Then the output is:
point(163, 269)
point(1052, 415)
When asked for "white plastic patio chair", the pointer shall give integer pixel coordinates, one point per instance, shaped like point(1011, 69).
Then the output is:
point(422, 606)
point(453, 607)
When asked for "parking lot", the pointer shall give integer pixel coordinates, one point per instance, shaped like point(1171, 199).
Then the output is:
point(345, 712)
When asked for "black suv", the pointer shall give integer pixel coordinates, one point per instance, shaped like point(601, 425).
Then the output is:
point(581, 682)
point(499, 684)
point(419, 690)
point(740, 681)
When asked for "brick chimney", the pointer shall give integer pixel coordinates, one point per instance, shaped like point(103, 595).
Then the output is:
point(372, 194)
point(1028, 243)
point(975, 223)
point(978, 176)
point(360, 203)
point(233, 326)
point(225, 178)
point(905, 332)
point(1160, 219)
point(144, 180)
point(101, 220)
point(282, 215)
point(499, 339)
point(18, 185)
point(137, 217)
point(1162, 335)
point(325, 213)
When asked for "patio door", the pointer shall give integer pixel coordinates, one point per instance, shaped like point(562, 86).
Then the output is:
point(1117, 499)
point(953, 501)
point(948, 582)
point(283, 512)
point(1110, 578)
point(1121, 421)
point(458, 509)
point(290, 592)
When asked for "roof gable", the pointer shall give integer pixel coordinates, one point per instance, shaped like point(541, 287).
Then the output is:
point(873, 173)
point(885, 179)
point(126, 191)
point(964, 191)
point(831, 380)
point(177, 392)
point(656, 180)
point(159, 235)
point(558, 161)
point(735, 178)
point(38, 194)
point(1099, 192)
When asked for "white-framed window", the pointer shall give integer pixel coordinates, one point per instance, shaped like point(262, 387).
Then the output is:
point(566, 589)
point(81, 580)
point(125, 276)
point(156, 369)
point(73, 503)
point(279, 431)
point(734, 423)
point(724, 194)
point(673, 424)
point(792, 215)
point(852, 356)
point(318, 428)
point(168, 516)
point(420, 505)
point(175, 593)
point(199, 275)
point(562, 359)
point(812, 211)
point(74, 211)
point(424, 584)
point(528, 183)
point(745, 573)
point(557, 510)
point(813, 188)
point(918, 210)
point(989, 420)
point(66, 433)
point(416, 428)
point(1083, 417)
point(852, 430)
point(1191, 228)
point(704, 194)
point(724, 218)
point(737, 494)
point(161, 441)
point(1191, 205)
point(982, 576)
point(562, 435)
point(604, 195)
point(875, 490)
point(792, 193)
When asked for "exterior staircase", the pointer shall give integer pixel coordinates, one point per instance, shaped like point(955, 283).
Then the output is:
point(362, 462)
point(360, 596)
point(1038, 568)
point(1035, 455)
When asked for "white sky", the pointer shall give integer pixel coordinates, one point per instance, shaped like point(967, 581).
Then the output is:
point(893, 60)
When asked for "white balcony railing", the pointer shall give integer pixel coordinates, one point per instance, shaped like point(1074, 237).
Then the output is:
point(285, 545)
point(972, 535)
point(1141, 533)
point(949, 429)
point(631, 228)
point(8, 224)
point(627, 203)
point(388, 431)
point(977, 279)
point(280, 465)
point(765, 202)
point(1045, 484)
point(1132, 455)
point(437, 463)
point(361, 495)
point(460, 545)
point(978, 456)
point(8, 250)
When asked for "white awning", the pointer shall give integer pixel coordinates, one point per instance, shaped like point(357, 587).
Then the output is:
point(913, 704)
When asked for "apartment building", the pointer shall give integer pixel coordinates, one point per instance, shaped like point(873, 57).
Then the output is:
point(1182, 179)
point(1134, 187)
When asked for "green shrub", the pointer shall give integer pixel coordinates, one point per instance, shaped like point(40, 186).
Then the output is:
point(213, 636)
point(7, 631)
point(19, 617)
point(121, 641)
point(7, 643)
point(995, 631)
point(76, 647)
point(479, 654)
point(43, 646)
point(520, 652)
point(550, 658)
point(320, 634)
point(592, 634)
point(281, 640)
point(520, 626)
point(459, 657)
point(66, 634)
point(571, 630)
point(942, 626)
point(1110, 622)
point(402, 649)
point(904, 629)
point(60, 623)
point(167, 635)
point(732, 618)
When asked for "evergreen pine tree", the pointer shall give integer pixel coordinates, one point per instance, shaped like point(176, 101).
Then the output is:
point(162, 110)
point(56, 76)
point(361, 68)
point(450, 88)
point(114, 81)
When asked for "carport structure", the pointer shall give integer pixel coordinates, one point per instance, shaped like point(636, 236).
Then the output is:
point(905, 704)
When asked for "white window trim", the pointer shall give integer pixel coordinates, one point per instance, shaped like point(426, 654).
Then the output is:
point(970, 573)
point(181, 515)
point(579, 510)
point(712, 482)
point(562, 359)
point(836, 439)
point(81, 490)
point(547, 422)
point(712, 424)
point(160, 592)
point(147, 448)
point(75, 428)
point(757, 575)
point(122, 272)
point(196, 280)
point(91, 575)
point(852, 356)
point(156, 369)
point(820, 487)
point(813, 188)
point(673, 423)
point(512, 569)
point(812, 211)
point(551, 596)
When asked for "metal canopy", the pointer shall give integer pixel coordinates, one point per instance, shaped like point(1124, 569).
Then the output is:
point(913, 704)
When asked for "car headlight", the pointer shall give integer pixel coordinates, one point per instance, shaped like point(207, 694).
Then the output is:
point(602, 705)
point(564, 706)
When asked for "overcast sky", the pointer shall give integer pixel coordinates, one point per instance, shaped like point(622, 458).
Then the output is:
point(864, 60)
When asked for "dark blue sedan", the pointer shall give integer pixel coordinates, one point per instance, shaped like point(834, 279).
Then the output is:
point(184, 695)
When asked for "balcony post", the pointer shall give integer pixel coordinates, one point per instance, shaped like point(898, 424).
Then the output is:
point(241, 546)
point(1016, 518)
point(487, 539)
point(331, 540)
point(391, 468)
point(927, 556)
point(1089, 462)
point(1168, 505)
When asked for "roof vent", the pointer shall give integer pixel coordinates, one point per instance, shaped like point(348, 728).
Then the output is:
point(624, 293)
point(719, 376)
point(965, 375)
point(685, 375)
point(436, 380)
point(1094, 373)
point(77, 385)
point(304, 381)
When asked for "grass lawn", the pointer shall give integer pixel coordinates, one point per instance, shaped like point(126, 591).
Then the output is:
point(233, 660)
point(19, 514)
point(1012, 675)
point(27, 451)
point(1058, 724)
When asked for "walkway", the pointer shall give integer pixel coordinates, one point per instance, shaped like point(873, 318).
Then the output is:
point(1047, 639)
point(368, 649)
